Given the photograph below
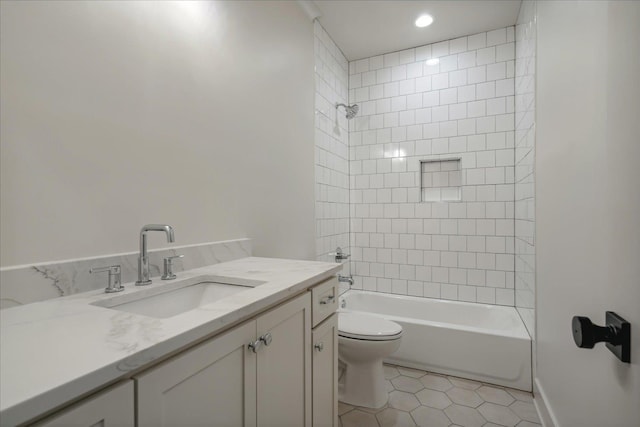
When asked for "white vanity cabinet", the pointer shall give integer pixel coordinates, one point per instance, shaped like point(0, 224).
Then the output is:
point(277, 368)
point(211, 384)
point(325, 373)
point(284, 366)
point(226, 382)
point(112, 407)
point(324, 302)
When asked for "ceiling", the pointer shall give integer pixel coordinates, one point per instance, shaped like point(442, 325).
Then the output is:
point(369, 28)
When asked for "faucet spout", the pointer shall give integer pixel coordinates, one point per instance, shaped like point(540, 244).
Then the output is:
point(154, 227)
point(143, 261)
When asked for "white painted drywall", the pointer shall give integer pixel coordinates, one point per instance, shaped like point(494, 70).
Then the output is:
point(117, 114)
point(587, 206)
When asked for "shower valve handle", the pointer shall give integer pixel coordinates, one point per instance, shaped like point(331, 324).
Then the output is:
point(339, 255)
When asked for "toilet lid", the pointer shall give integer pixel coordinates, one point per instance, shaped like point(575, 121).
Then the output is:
point(367, 327)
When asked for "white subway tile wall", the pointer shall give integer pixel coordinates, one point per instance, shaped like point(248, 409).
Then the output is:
point(524, 170)
point(331, 147)
point(461, 106)
point(440, 180)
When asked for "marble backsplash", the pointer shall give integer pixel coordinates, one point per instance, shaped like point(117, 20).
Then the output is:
point(30, 283)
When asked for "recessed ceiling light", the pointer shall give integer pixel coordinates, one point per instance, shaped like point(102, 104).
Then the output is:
point(433, 61)
point(424, 21)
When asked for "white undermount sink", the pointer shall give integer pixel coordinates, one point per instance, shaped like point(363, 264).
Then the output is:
point(176, 298)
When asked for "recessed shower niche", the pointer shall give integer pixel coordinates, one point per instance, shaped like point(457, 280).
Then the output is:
point(441, 180)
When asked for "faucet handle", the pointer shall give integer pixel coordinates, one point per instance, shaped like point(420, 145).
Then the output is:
point(115, 277)
point(339, 255)
point(168, 267)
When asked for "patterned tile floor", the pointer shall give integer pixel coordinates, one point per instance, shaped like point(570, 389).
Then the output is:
point(419, 398)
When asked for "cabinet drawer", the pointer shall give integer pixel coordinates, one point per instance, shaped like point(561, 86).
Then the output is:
point(324, 300)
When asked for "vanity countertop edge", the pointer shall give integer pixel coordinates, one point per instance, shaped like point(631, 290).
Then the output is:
point(56, 351)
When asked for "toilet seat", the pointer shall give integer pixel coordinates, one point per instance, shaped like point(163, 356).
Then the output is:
point(362, 326)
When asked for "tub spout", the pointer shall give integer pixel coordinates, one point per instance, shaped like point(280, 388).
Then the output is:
point(345, 279)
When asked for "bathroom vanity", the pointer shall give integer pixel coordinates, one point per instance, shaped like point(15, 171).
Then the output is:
point(262, 355)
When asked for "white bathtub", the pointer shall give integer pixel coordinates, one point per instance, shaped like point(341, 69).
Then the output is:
point(487, 343)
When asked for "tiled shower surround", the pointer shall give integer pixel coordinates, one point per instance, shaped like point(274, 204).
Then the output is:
point(460, 106)
point(331, 148)
point(524, 171)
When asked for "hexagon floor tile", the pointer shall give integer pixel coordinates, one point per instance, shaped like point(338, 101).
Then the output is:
point(463, 396)
point(524, 424)
point(409, 372)
point(499, 414)
point(390, 372)
point(394, 418)
point(430, 417)
point(495, 395)
point(403, 400)
point(465, 416)
point(408, 384)
point(525, 411)
point(433, 399)
point(464, 383)
point(357, 418)
point(427, 399)
point(436, 382)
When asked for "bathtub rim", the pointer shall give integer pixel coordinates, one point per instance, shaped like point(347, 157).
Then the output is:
point(520, 332)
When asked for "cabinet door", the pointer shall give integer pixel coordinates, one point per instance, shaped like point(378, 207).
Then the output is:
point(325, 373)
point(284, 366)
point(110, 408)
point(210, 385)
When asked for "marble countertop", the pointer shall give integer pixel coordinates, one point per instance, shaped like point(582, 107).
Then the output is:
point(54, 351)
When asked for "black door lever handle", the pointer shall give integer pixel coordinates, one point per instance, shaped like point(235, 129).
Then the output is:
point(616, 334)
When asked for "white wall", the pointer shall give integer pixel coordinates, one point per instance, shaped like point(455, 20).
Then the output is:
point(587, 206)
point(462, 107)
point(117, 114)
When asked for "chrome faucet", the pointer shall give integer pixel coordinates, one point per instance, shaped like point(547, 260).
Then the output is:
point(143, 260)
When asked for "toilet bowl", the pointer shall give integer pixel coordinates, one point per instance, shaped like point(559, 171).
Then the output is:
point(363, 342)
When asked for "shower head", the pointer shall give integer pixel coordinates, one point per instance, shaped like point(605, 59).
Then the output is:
point(351, 110)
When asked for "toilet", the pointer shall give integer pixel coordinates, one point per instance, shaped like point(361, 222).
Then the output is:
point(363, 342)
